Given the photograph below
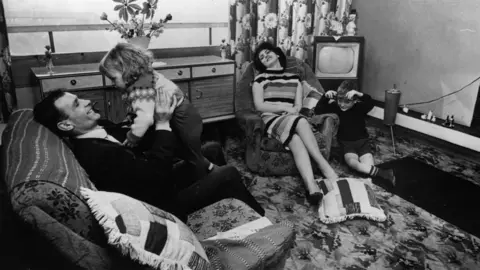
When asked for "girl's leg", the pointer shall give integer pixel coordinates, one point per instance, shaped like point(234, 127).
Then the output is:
point(187, 125)
point(302, 160)
point(306, 134)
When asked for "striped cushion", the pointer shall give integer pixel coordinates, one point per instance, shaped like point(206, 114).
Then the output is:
point(32, 152)
point(41, 171)
point(310, 102)
point(349, 198)
point(147, 234)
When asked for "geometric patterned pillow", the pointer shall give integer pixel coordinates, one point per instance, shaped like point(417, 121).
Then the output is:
point(348, 198)
point(264, 249)
point(145, 233)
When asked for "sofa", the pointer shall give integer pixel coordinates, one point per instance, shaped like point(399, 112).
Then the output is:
point(46, 219)
point(267, 156)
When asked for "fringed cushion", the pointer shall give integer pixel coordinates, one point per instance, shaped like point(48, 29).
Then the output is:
point(348, 198)
point(148, 235)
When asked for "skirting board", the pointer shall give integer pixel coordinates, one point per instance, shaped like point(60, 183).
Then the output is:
point(443, 133)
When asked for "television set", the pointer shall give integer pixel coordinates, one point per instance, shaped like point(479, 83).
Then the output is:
point(337, 59)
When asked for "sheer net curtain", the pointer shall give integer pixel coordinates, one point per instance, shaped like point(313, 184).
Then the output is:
point(289, 24)
point(8, 101)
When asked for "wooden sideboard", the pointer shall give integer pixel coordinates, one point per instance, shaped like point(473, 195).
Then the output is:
point(208, 82)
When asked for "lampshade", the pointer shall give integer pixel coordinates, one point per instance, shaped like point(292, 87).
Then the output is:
point(392, 99)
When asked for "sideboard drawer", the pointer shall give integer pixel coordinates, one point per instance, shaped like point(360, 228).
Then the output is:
point(72, 83)
point(213, 70)
point(175, 73)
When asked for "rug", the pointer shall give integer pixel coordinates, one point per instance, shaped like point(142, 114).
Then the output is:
point(440, 193)
point(411, 238)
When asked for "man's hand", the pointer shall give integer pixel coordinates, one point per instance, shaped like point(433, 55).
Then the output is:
point(330, 94)
point(352, 93)
point(165, 104)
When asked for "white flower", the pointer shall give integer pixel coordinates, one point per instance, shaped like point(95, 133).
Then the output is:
point(246, 22)
point(271, 20)
point(253, 43)
point(308, 21)
point(289, 2)
point(336, 26)
point(287, 43)
point(284, 21)
point(233, 2)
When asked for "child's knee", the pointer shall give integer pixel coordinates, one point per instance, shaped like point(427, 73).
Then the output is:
point(350, 158)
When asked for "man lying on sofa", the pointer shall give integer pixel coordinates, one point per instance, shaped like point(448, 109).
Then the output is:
point(146, 174)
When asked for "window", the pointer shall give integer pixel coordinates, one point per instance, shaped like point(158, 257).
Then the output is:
point(85, 12)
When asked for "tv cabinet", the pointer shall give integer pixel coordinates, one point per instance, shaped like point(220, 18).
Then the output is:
point(331, 79)
point(207, 81)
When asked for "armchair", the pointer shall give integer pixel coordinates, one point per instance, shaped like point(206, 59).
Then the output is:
point(267, 156)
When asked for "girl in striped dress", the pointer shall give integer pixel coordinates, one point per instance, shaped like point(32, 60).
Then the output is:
point(278, 95)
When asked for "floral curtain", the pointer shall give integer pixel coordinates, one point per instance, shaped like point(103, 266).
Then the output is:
point(7, 89)
point(289, 24)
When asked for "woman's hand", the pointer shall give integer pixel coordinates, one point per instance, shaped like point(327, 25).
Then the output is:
point(331, 94)
point(291, 110)
point(297, 108)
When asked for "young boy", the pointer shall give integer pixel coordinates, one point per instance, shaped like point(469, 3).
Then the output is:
point(352, 107)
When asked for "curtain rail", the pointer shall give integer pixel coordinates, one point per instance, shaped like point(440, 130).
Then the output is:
point(97, 27)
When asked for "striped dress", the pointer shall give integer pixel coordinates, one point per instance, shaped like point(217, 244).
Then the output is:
point(279, 87)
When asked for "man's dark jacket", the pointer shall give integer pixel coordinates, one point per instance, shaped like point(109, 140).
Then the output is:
point(144, 175)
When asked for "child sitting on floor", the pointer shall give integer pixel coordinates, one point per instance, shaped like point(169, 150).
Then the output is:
point(130, 68)
point(352, 107)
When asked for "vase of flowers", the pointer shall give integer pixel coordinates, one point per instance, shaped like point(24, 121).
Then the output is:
point(131, 24)
point(224, 48)
point(49, 59)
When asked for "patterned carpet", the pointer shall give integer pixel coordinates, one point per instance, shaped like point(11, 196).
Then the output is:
point(411, 238)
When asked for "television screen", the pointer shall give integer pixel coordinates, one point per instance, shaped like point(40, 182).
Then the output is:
point(337, 60)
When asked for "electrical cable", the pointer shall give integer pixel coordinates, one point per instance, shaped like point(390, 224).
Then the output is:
point(436, 99)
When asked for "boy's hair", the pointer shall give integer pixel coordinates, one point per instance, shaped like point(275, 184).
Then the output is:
point(130, 60)
point(46, 113)
point(268, 46)
point(345, 87)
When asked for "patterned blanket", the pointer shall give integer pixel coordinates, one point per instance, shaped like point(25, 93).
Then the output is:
point(411, 238)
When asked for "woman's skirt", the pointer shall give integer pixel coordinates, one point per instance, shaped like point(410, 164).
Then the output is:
point(281, 126)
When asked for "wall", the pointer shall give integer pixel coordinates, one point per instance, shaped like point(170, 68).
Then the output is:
point(427, 47)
